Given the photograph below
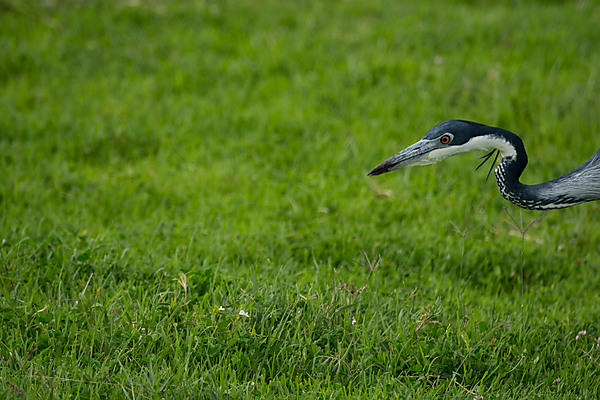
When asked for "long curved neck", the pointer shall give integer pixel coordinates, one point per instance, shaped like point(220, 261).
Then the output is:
point(572, 188)
point(510, 169)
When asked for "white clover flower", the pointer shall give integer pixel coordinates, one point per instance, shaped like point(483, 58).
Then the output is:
point(244, 314)
point(580, 334)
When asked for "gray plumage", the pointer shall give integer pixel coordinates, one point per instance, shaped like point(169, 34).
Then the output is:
point(457, 136)
point(575, 187)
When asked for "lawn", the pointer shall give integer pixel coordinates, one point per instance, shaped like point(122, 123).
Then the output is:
point(185, 211)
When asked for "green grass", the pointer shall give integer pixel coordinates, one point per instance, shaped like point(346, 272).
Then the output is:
point(185, 212)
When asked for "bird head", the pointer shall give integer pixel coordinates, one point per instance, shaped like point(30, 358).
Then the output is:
point(448, 139)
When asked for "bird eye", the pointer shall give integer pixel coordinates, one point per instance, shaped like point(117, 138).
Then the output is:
point(445, 139)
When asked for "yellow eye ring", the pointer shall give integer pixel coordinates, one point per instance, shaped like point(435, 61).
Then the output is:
point(445, 139)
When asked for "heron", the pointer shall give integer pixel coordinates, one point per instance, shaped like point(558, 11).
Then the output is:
point(459, 136)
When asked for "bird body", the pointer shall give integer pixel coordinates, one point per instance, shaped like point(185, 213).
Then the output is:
point(457, 136)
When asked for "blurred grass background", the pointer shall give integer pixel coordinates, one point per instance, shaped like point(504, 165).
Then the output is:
point(165, 159)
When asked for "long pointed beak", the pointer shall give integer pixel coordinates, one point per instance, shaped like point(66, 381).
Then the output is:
point(417, 154)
